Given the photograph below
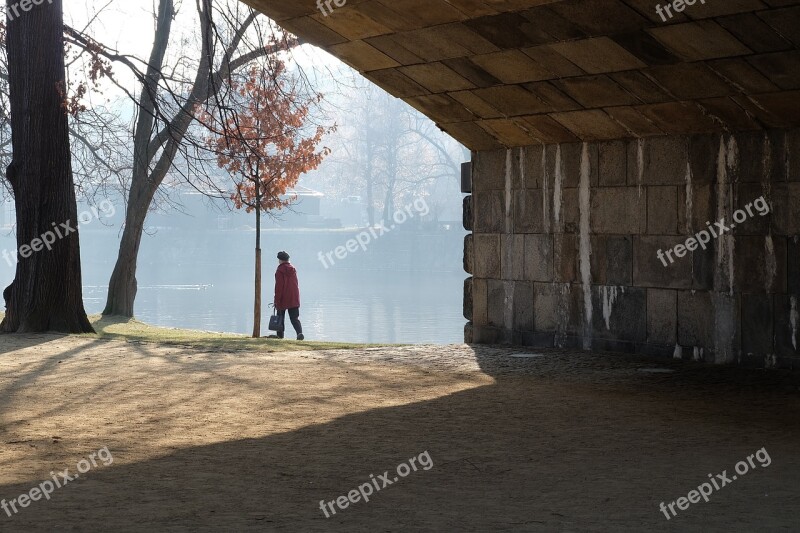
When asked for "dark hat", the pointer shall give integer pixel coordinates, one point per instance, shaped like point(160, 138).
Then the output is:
point(283, 256)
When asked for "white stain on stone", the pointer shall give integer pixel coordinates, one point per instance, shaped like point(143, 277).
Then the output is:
point(609, 296)
point(689, 199)
point(522, 167)
point(733, 165)
point(545, 192)
point(733, 153)
point(771, 263)
point(727, 160)
point(731, 266)
point(698, 353)
point(508, 190)
point(787, 151)
point(678, 353)
point(559, 180)
point(722, 194)
point(794, 320)
point(766, 181)
point(508, 314)
point(584, 201)
point(771, 361)
point(640, 164)
point(563, 315)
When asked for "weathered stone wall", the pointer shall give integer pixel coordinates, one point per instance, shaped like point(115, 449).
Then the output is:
point(565, 240)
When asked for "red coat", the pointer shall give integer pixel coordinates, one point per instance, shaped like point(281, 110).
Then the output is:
point(287, 288)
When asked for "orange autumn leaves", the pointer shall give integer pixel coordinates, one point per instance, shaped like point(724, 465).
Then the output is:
point(266, 139)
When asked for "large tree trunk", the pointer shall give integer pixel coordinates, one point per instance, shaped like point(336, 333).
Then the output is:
point(46, 293)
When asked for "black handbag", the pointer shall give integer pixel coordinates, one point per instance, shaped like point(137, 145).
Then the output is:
point(275, 321)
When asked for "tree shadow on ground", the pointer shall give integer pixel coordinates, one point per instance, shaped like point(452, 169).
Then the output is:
point(18, 341)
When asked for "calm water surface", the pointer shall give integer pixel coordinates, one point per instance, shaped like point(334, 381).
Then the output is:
point(345, 306)
point(406, 288)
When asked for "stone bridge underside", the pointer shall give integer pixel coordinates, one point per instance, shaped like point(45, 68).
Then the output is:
point(603, 137)
point(502, 73)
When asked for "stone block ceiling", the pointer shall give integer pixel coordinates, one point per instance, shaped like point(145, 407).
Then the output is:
point(504, 73)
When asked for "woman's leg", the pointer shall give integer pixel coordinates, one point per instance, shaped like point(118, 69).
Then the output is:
point(294, 316)
point(282, 314)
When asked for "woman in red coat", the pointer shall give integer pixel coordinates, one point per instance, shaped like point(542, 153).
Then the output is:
point(287, 294)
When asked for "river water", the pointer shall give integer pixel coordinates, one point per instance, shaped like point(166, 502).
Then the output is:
point(406, 287)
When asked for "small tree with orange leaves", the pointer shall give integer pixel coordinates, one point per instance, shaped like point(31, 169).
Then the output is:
point(266, 144)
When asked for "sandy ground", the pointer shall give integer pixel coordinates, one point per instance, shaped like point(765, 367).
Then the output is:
point(552, 441)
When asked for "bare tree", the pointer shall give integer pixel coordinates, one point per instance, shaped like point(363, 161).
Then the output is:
point(46, 293)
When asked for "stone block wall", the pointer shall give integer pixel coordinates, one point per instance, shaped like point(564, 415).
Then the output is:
point(565, 241)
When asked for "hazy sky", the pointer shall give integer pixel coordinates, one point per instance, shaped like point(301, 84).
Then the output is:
point(128, 26)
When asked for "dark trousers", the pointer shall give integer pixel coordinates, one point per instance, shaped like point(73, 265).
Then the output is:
point(294, 316)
